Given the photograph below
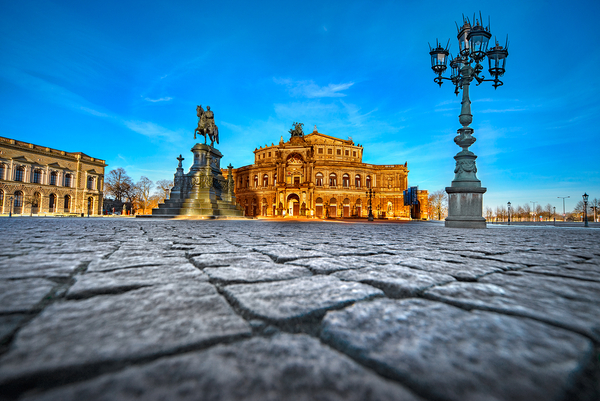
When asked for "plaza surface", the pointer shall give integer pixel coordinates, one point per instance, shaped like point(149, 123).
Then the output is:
point(119, 309)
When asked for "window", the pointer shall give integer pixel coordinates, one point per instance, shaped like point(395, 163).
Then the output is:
point(345, 180)
point(53, 177)
point(347, 153)
point(2, 170)
point(18, 202)
point(368, 181)
point(1, 199)
point(90, 182)
point(329, 151)
point(357, 181)
point(19, 173)
point(339, 152)
point(67, 206)
point(68, 180)
point(265, 180)
point(269, 154)
point(37, 176)
point(354, 154)
point(255, 181)
point(52, 203)
point(319, 180)
point(332, 180)
point(275, 179)
point(320, 151)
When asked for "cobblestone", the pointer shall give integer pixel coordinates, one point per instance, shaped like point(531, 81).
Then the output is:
point(116, 309)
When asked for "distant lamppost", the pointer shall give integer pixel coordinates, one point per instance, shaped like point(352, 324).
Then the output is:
point(370, 193)
point(465, 195)
point(10, 206)
point(563, 198)
point(533, 210)
point(585, 200)
point(508, 213)
point(554, 214)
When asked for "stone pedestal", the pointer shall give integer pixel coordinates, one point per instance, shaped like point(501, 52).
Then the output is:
point(465, 207)
point(203, 191)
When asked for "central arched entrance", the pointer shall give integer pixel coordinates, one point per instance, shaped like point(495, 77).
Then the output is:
point(293, 201)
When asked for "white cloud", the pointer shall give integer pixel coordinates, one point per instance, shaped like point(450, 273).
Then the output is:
point(309, 89)
point(162, 99)
point(151, 130)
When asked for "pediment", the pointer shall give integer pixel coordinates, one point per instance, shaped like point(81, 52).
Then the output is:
point(21, 159)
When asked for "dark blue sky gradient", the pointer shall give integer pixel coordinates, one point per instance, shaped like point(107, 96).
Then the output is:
point(121, 81)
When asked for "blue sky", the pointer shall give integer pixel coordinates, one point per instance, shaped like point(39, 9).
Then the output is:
point(121, 81)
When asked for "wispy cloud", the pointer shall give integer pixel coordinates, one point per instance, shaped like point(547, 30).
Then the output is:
point(162, 99)
point(309, 89)
point(151, 130)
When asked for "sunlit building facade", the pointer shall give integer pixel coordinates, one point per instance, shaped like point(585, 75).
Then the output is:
point(320, 176)
point(37, 180)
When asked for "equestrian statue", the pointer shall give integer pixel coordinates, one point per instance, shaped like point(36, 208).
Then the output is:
point(206, 125)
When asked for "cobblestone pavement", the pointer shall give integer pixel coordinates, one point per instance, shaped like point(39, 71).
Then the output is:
point(119, 309)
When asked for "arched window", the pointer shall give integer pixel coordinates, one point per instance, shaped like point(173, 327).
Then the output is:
point(52, 203)
point(18, 202)
point(1, 199)
point(265, 181)
point(357, 181)
point(368, 181)
point(19, 173)
point(90, 209)
point(255, 181)
point(68, 181)
point(2, 170)
point(37, 176)
point(67, 204)
point(90, 182)
point(332, 180)
point(319, 180)
point(35, 202)
point(53, 178)
point(345, 180)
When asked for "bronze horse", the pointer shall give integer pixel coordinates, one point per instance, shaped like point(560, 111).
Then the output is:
point(206, 125)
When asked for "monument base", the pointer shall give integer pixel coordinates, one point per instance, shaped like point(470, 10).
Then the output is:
point(465, 207)
point(203, 192)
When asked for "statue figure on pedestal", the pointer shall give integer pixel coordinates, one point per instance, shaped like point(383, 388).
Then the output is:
point(206, 125)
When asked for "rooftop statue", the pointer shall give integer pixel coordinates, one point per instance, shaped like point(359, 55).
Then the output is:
point(206, 125)
point(297, 130)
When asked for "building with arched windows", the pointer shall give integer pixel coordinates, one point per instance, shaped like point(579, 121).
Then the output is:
point(317, 175)
point(46, 181)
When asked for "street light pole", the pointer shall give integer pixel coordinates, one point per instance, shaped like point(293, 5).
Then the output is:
point(465, 195)
point(533, 208)
point(509, 213)
point(585, 201)
point(370, 193)
point(554, 214)
point(10, 206)
point(563, 198)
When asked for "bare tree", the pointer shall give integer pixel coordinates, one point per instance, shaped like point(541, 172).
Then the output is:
point(489, 213)
point(438, 204)
point(118, 184)
point(520, 212)
point(164, 186)
point(143, 188)
point(548, 211)
point(527, 211)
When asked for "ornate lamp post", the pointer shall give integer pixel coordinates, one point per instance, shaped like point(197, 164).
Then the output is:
point(465, 195)
point(10, 206)
point(554, 214)
point(585, 200)
point(370, 193)
point(508, 213)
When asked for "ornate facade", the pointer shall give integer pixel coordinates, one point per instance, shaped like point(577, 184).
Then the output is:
point(44, 181)
point(321, 176)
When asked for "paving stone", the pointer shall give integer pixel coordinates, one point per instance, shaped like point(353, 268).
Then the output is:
point(396, 281)
point(8, 324)
point(330, 265)
point(73, 335)
point(23, 295)
point(30, 266)
point(212, 249)
point(569, 303)
point(267, 271)
point(446, 353)
point(460, 271)
point(283, 367)
point(130, 262)
point(283, 253)
point(122, 280)
point(299, 298)
point(581, 271)
point(248, 259)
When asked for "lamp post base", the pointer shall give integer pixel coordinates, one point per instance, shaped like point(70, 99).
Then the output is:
point(465, 207)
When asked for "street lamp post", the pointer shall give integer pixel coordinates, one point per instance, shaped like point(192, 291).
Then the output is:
point(554, 214)
point(370, 193)
point(585, 201)
point(508, 213)
point(563, 198)
point(465, 195)
point(10, 206)
point(533, 209)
